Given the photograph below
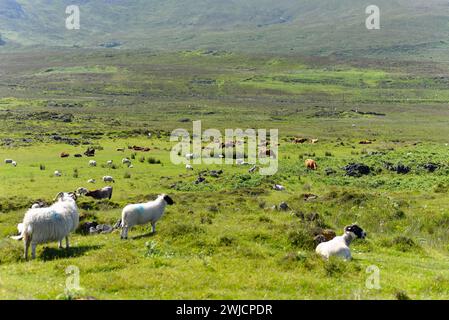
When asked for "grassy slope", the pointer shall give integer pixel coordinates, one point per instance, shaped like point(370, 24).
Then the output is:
point(222, 239)
point(320, 27)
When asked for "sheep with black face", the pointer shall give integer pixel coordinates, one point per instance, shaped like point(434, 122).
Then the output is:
point(339, 246)
point(143, 213)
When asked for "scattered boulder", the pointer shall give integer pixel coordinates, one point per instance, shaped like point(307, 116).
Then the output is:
point(101, 228)
point(283, 206)
point(200, 180)
point(85, 227)
point(431, 167)
point(324, 235)
point(215, 173)
point(90, 152)
point(309, 196)
point(357, 169)
point(399, 168)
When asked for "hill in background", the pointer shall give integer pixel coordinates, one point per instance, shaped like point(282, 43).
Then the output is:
point(417, 29)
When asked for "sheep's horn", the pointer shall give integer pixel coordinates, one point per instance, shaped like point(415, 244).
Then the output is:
point(58, 196)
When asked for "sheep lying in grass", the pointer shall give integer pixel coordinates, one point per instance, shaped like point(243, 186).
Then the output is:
point(43, 225)
point(339, 246)
point(143, 213)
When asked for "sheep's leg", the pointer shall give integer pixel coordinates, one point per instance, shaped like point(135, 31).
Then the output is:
point(33, 251)
point(124, 234)
point(67, 242)
point(26, 245)
point(153, 227)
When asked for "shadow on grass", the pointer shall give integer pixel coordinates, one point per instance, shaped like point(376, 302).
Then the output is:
point(145, 235)
point(49, 254)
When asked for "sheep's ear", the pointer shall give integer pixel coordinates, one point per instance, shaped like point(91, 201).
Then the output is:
point(59, 196)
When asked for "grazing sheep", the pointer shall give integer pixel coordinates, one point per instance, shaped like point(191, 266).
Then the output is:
point(14, 164)
point(91, 181)
point(190, 156)
point(8, 161)
point(57, 173)
point(108, 179)
point(126, 161)
point(110, 162)
point(43, 225)
point(143, 213)
point(104, 193)
point(92, 163)
point(189, 167)
point(339, 246)
point(81, 191)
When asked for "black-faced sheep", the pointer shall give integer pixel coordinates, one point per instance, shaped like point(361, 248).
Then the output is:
point(339, 246)
point(143, 213)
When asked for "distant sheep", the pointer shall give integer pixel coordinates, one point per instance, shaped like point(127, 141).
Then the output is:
point(57, 173)
point(91, 181)
point(126, 161)
point(143, 213)
point(189, 167)
point(92, 163)
point(8, 161)
point(104, 193)
point(278, 187)
point(110, 162)
point(339, 246)
point(43, 225)
point(14, 164)
point(108, 179)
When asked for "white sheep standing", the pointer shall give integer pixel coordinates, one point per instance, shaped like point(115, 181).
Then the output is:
point(91, 181)
point(14, 164)
point(126, 161)
point(339, 246)
point(57, 173)
point(43, 225)
point(92, 163)
point(143, 213)
point(189, 167)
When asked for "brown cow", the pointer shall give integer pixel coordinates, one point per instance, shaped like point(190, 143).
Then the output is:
point(311, 164)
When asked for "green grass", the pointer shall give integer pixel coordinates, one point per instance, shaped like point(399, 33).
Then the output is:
point(223, 239)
